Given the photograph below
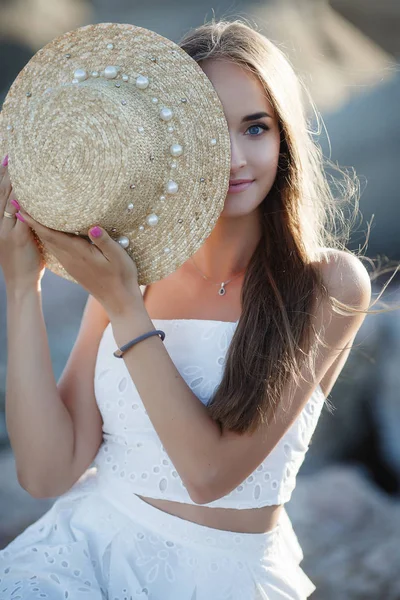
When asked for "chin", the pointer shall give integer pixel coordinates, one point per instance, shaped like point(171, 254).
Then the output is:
point(234, 207)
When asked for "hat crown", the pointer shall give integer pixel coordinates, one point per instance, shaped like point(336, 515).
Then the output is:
point(100, 140)
point(115, 125)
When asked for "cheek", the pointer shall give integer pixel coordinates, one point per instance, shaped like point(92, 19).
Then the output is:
point(265, 158)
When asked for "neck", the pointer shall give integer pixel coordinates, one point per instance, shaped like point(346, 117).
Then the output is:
point(230, 246)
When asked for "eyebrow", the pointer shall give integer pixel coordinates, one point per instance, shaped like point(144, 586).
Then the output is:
point(256, 116)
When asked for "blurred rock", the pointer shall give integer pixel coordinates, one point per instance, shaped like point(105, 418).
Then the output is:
point(36, 22)
point(359, 137)
point(3, 429)
point(349, 532)
point(18, 55)
point(334, 59)
point(379, 20)
point(386, 409)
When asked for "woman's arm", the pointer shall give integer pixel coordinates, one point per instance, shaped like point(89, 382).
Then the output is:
point(180, 419)
point(55, 429)
point(38, 424)
point(209, 463)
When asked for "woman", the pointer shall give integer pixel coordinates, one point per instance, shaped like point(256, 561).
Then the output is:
point(197, 444)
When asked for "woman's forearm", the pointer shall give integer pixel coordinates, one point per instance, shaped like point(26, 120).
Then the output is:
point(182, 422)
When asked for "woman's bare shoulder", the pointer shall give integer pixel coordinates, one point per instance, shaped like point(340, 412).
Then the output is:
point(345, 277)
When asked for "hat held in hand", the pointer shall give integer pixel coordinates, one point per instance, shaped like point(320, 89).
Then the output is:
point(115, 125)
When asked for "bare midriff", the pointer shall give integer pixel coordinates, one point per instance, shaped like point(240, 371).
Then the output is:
point(252, 520)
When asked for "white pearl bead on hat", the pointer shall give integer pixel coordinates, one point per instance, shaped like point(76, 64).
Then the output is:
point(152, 220)
point(172, 187)
point(166, 114)
point(80, 75)
point(176, 150)
point(123, 241)
point(110, 72)
point(142, 82)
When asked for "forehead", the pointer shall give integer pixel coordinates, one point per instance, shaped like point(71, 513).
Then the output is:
point(240, 92)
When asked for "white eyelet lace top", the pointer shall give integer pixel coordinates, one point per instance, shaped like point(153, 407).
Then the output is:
point(131, 449)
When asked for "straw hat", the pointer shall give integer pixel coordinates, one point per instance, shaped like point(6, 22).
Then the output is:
point(116, 125)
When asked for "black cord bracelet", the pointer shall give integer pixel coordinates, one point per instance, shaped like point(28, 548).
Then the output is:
point(120, 352)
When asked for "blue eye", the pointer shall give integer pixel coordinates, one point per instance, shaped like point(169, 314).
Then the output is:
point(259, 126)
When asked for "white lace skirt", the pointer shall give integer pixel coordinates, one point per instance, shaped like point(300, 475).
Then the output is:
point(100, 542)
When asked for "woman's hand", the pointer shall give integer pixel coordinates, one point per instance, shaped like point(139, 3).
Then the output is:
point(20, 257)
point(103, 268)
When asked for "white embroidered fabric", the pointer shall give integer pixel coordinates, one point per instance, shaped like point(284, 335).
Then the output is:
point(101, 541)
point(133, 452)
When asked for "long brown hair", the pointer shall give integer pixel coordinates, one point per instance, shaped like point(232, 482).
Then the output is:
point(301, 219)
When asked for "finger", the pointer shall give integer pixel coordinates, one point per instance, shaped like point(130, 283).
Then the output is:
point(8, 222)
point(5, 196)
point(104, 242)
point(3, 166)
point(20, 227)
point(46, 234)
point(61, 244)
point(8, 215)
point(5, 187)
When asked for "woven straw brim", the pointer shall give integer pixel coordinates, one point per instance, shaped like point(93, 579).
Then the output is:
point(83, 153)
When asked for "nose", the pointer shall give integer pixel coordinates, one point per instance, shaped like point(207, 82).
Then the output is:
point(238, 159)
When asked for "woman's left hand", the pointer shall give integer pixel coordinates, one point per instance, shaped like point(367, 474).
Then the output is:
point(103, 268)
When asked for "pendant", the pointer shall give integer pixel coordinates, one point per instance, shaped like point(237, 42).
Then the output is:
point(222, 290)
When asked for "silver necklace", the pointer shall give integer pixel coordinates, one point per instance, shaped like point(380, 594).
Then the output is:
point(222, 285)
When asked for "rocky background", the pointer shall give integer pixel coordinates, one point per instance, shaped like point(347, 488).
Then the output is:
point(345, 508)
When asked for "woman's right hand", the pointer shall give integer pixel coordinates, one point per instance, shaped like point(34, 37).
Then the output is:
point(20, 257)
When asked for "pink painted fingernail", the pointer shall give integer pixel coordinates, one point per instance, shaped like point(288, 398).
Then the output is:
point(5, 161)
point(95, 232)
point(20, 217)
point(15, 203)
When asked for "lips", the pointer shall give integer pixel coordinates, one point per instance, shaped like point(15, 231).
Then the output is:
point(239, 185)
point(239, 181)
